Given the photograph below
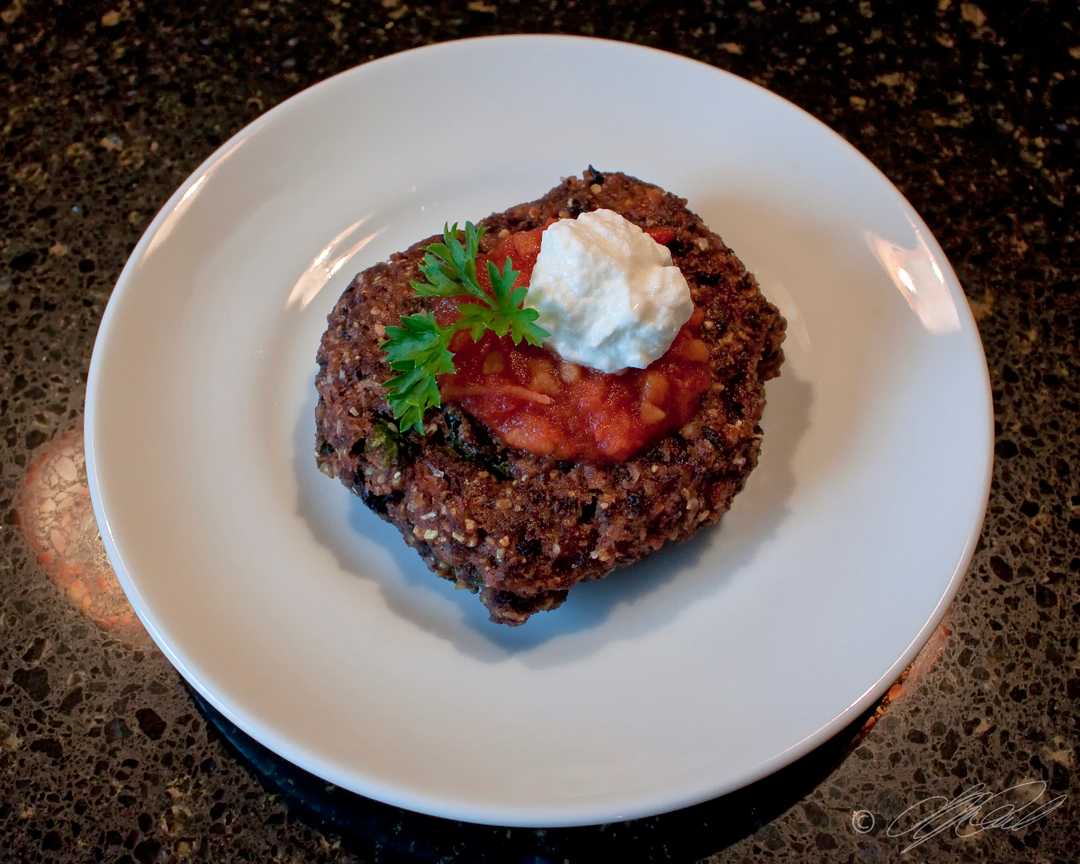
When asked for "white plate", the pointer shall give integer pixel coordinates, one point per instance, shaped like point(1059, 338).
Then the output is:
point(307, 621)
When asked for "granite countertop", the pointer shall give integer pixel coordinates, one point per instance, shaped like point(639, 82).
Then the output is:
point(971, 109)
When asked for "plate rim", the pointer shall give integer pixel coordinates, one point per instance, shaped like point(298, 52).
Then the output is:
point(433, 805)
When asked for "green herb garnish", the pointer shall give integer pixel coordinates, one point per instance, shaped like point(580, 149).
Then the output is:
point(419, 349)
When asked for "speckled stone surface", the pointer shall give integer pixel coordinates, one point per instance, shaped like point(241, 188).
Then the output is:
point(105, 755)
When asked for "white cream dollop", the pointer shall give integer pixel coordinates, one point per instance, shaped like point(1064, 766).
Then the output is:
point(607, 292)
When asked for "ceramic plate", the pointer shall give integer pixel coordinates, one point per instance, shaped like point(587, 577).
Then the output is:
point(307, 621)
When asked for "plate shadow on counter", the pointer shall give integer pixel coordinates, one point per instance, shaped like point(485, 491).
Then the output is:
point(381, 832)
point(417, 594)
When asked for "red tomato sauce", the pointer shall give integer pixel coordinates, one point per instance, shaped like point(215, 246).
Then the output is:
point(532, 399)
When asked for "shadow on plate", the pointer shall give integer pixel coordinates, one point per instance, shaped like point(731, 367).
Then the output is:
point(846, 319)
point(375, 831)
point(416, 594)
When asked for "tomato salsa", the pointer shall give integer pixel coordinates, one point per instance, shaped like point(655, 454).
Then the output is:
point(534, 400)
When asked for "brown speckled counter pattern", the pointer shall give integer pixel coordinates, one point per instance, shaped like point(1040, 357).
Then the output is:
point(971, 109)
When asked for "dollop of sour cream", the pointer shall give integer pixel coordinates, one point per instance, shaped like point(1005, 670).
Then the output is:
point(607, 292)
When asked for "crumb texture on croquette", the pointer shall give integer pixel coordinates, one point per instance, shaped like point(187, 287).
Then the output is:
point(521, 529)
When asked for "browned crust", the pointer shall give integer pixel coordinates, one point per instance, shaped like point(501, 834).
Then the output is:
point(522, 529)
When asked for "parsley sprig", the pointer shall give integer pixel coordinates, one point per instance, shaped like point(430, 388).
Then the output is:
point(419, 349)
